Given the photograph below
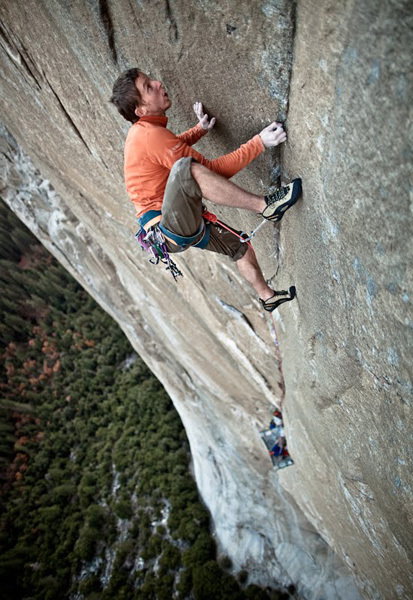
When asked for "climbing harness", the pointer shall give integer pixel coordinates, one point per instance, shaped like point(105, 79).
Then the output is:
point(153, 241)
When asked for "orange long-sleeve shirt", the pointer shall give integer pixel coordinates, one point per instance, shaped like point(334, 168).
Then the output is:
point(151, 149)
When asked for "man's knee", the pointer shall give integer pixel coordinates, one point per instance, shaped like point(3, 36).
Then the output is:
point(181, 179)
point(180, 166)
point(247, 258)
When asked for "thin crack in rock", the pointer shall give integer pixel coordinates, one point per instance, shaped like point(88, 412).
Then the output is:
point(173, 27)
point(69, 118)
point(20, 57)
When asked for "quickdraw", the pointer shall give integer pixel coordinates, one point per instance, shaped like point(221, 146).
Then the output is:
point(153, 242)
point(254, 231)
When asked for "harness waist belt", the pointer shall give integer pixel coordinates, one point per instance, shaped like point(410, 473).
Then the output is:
point(148, 216)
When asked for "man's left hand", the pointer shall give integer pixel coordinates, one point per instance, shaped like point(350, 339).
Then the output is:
point(203, 118)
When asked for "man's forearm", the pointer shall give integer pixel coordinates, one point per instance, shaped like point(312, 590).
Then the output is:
point(193, 135)
point(230, 164)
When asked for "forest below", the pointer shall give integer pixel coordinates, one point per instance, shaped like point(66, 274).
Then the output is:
point(97, 499)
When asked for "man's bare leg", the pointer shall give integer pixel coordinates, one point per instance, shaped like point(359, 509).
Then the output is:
point(216, 188)
point(251, 272)
point(219, 190)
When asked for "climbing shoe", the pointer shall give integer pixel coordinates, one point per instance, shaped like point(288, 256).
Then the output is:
point(281, 200)
point(278, 298)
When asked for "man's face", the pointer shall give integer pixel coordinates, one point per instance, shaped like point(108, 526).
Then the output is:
point(155, 100)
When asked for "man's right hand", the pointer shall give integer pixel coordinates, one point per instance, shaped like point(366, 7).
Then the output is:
point(204, 119)
point(273, 135)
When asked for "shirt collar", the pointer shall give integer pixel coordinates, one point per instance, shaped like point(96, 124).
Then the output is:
point(155, 119)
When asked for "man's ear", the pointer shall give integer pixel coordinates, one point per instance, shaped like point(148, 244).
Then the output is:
point(140, 111)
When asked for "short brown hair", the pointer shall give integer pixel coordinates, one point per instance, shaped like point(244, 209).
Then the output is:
point(125, 95)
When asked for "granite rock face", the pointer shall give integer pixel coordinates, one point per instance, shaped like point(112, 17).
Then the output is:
point(339, 518)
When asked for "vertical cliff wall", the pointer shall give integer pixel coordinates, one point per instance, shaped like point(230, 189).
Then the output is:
point(339, 515)
point(348, 342)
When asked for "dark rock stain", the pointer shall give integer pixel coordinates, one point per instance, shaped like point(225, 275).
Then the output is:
point(138, 22)
point(173, 27)
point(106, 19)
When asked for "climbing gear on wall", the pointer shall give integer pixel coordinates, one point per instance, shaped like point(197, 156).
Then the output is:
point(276, 443)
point(272, 303)
point(281, 200)
point(153, 242)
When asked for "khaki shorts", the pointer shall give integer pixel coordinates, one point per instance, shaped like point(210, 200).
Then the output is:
point(182, 214)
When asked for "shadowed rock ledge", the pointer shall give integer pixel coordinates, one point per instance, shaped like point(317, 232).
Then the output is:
point(346, 341)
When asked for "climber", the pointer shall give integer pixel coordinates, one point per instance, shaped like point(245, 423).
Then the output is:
point(162, 171)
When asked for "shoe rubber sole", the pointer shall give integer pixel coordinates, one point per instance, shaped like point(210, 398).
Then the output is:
point(277, 303)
